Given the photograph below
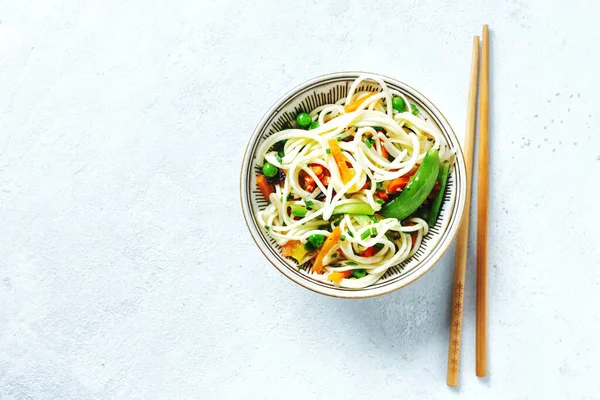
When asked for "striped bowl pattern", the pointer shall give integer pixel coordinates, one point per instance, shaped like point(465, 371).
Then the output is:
point(326, 90)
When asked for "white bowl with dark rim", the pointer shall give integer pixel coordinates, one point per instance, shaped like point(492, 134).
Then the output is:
point(327, 89)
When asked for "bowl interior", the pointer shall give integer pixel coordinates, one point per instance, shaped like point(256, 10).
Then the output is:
point(326, 90)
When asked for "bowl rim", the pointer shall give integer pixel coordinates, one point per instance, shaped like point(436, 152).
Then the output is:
point(451, 230)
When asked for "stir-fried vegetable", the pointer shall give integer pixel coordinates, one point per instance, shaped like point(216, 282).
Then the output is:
point(346, 173)
point(354, 208)
point(265, 188)
point(437, 201)
point(417, 189)
point(356, 103)
point(331, 241)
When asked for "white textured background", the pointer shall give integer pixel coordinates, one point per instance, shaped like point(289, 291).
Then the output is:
point(126, 270)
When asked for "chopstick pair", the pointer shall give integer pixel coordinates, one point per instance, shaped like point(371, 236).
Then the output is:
point(481, 83)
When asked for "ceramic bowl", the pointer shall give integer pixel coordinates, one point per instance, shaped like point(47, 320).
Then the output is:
point(327, 89)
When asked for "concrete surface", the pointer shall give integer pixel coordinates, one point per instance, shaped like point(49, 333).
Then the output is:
point(126, 271)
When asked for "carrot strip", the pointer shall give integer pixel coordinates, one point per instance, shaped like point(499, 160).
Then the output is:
point(327, 246)
point(384, 152)
point(356, 103)
point(346, 173)
point(337, 276)
point(265, 187)
point(397, 184)
point(382, 194)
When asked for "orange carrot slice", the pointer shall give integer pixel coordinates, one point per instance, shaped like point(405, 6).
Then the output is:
point(346, 173)
point(265, 187)
point(337, 276)
point(332, 239)
point(356, 103)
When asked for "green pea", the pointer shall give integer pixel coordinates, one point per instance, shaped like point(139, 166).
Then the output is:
point(270, 170)
point(303, 119)
point(414, 109)
point(313, 125)
point(399, 104)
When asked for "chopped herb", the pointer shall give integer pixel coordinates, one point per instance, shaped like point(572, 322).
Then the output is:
point(380, 201)
point(365, 234)
point(373, 231)
point(328, 151)
point(309, 203)
point(388, 237)
point(267, 227)
point(350, 234)
point(279, 145)
point(335, 265)
point(313, 242)
point(369, 143)
point(342, 238)
point(379, 245)
point(339, 138)
point(379, 186)
point(373, 218)
point(351, 263)
point(359, 273)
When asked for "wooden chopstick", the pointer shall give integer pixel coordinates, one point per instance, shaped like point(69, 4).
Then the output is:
point(482, 210)
point(460, 262)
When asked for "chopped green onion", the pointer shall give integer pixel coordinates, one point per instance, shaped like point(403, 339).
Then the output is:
point(359, 273)
point(309, 203)
point(350, 234)
point(365, 234)
point(342, 238)
point(379, 245)
point(351, 263)
point(316, 240)
point(369, 143)
point(267, 227)
point(379, 201)
point(339, 138)
point(328, 151)
point(335, 265)
point(373, 231)
point(373, 218)
point(388, 237)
